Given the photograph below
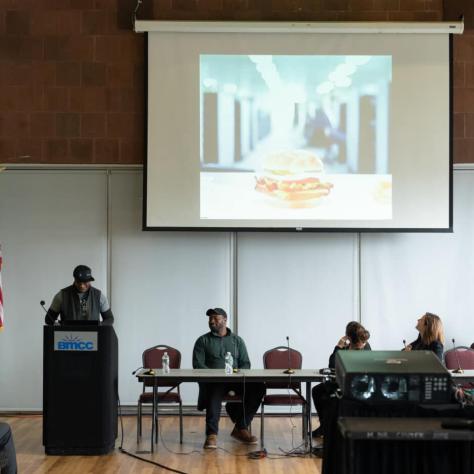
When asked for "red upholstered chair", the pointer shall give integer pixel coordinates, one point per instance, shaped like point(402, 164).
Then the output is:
point(277, 358)
point(459, 356)
point(151, 359)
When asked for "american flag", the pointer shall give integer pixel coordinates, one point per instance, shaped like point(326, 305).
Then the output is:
point(1, 292)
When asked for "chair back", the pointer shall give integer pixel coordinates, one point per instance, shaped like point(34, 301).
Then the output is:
point(151, 359)
point(461, 356)
point(279, 358)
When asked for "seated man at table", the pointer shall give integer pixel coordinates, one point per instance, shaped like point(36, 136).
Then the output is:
point(209, 353)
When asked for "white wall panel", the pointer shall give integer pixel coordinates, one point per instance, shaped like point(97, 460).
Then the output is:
point(302, 286)
point(405, 275)
point(162, 284)
point(50, 221)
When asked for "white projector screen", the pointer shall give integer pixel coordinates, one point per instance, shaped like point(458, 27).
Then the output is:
point(292, 131)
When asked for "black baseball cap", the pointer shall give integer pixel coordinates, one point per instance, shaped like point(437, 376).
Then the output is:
point(83, 274)
point(214, 311)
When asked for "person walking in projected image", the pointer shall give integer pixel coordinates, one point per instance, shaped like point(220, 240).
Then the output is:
point(430, 335)
point(209, 353)
point(80, 301)
point(355, 339)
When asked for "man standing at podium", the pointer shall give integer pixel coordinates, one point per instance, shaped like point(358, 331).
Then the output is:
point(80, 301)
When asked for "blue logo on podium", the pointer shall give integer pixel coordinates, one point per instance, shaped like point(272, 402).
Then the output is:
point(75, 341)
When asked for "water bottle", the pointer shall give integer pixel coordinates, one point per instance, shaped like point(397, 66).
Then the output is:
point(229, 363)
point(165, 363)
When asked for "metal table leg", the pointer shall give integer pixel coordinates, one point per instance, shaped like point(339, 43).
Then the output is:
point(153, 414)
point(308, 438)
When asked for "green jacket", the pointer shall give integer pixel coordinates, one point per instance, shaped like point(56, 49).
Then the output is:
point(209, 351)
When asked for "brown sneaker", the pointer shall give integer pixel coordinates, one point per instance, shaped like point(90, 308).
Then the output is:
point(243, 436)
point(211, 442)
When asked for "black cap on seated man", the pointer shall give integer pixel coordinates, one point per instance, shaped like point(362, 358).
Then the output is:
point(80, 301)
point(209, 353)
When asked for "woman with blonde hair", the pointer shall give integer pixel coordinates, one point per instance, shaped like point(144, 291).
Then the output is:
point(430, 337)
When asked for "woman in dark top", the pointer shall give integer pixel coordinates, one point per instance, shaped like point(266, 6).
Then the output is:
point(430, 337)
point(356, 338)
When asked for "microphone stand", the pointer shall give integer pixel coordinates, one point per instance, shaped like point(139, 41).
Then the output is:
point(459, 370)
point(236, 369)
point(42, 303)
point(289, 370)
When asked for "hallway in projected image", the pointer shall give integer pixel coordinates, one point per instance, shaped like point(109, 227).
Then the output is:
point(314, 115)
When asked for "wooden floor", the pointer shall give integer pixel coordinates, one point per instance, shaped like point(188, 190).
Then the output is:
point(280, 432)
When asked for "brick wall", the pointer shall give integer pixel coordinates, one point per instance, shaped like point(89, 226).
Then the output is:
point(71, 83)
point(71, 71)
point(463, 72)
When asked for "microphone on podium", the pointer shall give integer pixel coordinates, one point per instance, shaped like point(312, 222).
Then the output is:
point(459, 370)
point(42, 303)
point(289, 370)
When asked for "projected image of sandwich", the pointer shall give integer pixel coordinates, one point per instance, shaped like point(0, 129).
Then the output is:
point(294, 177)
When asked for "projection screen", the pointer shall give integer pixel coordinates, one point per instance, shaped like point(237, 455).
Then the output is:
point(272, 130)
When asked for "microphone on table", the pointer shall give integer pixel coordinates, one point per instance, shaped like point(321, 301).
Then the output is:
point(459, 370)
point(42, 303)
point(136, 370)
point(289, 370)
point(404, 344)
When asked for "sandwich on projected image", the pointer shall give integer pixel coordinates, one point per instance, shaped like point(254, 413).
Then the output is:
point(295, 137)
